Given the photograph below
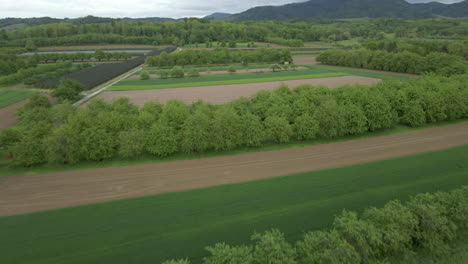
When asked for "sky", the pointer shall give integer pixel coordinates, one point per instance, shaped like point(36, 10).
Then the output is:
point(134, 8)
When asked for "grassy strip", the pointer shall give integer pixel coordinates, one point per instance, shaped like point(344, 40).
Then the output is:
point(154, 228)
point(364, 73)
point(226, 82)
point(7, 170)
point(8, 97)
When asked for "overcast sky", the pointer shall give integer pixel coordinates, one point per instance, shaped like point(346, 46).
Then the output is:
point(133, 8)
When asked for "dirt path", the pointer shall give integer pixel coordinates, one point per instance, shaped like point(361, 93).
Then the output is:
point(313, 61)
point(219, 94)
point(8, 114)
point(155, 76)
point(29, 193)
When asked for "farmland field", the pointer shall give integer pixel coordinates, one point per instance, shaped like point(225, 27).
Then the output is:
point(8, 97)
point(153, 229)
point(313, 71)
point(219, 94)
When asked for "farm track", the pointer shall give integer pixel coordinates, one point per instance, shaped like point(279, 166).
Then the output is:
point(219, 94)
point(30, 193)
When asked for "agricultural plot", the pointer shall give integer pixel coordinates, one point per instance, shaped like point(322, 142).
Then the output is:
point(8, 97)
point(156, 228)
point(219, 94)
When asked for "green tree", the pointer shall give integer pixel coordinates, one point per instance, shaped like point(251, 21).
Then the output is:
point(252, 130)
point(131, 143)
point(360, 234)
point(305, 127)
point(197, 133)
point(278, 129)
point(162, 140)
point(99, 55)
point(222, 253)
point(226, 129)
point(272, 248)
point(329, 118)
point(326, 247)
point(180, 261)
point(232, 69)
point(97, 144)
point(30, 150)
point(63, 146)
point(30, 45)
point(68, 90)
point(144, 75)
point(177, 72)
point(174, 114)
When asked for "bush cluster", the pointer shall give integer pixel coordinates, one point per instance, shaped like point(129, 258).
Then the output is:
point(65, 135)
point(404, 62)
point(219, 56)
point(426, 224)
point(33, 74)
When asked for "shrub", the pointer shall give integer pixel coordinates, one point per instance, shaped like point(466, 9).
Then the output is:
point(144, 75)
point(177, 72)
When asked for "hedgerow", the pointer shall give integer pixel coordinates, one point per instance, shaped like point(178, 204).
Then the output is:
point(219, 56)
point(395, 233)
point(404, 62)
point(283, 115)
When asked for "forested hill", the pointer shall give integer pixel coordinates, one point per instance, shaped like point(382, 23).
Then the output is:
point(353, 9)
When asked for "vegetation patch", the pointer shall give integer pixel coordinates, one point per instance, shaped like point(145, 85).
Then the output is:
point(8, 97)
point(156, 228)
point(240, 80)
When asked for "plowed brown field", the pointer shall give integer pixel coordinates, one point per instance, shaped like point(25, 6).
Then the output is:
point(219, 94)
point(29, 193)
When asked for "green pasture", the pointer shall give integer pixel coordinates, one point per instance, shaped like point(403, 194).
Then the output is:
point(216, 44)
point(8, 97)
point(155, 228)
point(224, 79)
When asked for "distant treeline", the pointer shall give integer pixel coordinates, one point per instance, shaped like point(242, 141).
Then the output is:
point(219, 56)
point(420, 47)
point(193, 30)
point(63, 134)
point(404, 62)
point(426, 224)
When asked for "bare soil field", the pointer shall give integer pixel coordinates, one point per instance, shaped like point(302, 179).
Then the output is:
point(219, 94)
point(29, 193)
point(99, 47)
point(8, 114)
point(155, 76)
point(313, 60)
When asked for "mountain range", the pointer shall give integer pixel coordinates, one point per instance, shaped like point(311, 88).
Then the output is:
point(329, 9)
point(340, 9)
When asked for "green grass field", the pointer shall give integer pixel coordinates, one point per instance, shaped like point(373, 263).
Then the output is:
point(216, 44)
point(364, 73)
point(154, 228)
point(223, 79)
point(8, 97)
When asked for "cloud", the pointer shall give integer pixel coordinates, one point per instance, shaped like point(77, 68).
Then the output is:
point(133, 8)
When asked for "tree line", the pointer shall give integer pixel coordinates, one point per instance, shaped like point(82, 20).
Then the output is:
point(63, 134)
point(404, 62)
point(80, 56)
point(426, 224)
point(219, 56)
point(420, 46)
point(192, 31)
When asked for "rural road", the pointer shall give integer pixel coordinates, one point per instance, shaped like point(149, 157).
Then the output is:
point(30, 193)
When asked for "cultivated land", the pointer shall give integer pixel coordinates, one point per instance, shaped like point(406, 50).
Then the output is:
point(178, 225)
point(8, 97)
point(22, 194)
point(219, 94)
